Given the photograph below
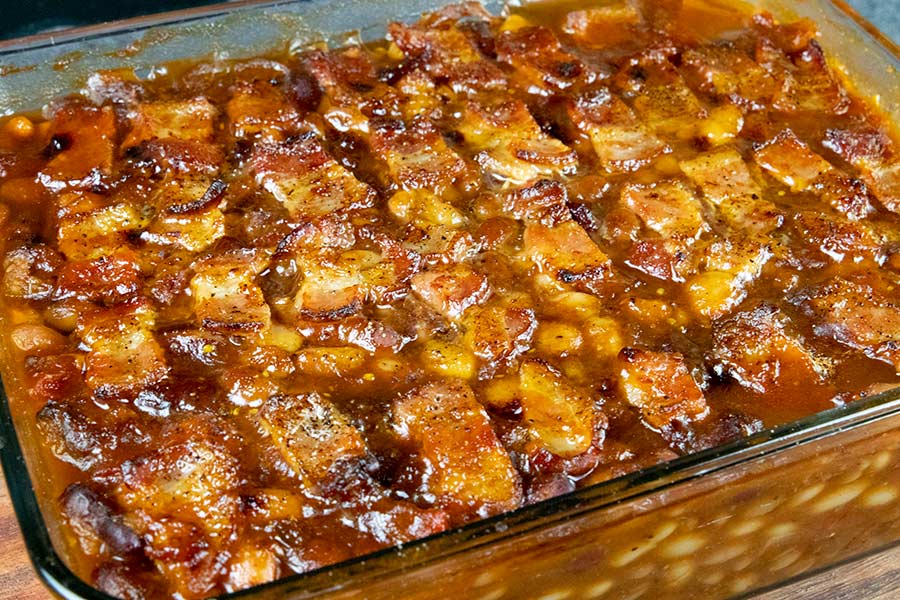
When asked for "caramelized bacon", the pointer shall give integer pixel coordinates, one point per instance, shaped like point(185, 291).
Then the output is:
point(540, 62)
point(449, 56)
point(723, 70)
point(190, 217)
point(857, 315)
point(500, 330)
point(872, 152)
point(192, 119)
point(791, 161)
point(226, 296)
point(510, 146)
point(124, 356)
point(560, 417)
point(668, 208)
point(760, 350)
point(725, 180)
point(352, 93)
point(660, 96)
point(110, 279)
point(622, 143)
point(451, 291)
point(417, 155)
point(461, 454)
point(311, 434)
point(661, 387)
point(81, 144)
point(566, 252)
point(305, 179)
point(261, 110)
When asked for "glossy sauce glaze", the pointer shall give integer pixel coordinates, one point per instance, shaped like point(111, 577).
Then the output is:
point(272, 314)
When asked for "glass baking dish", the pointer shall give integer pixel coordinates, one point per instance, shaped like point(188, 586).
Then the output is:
point(723, 522)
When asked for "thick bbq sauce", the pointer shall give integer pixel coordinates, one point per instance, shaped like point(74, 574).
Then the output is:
point(264, 316)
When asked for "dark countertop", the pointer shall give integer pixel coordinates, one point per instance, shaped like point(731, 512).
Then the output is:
point(884, 14)
point(28, 17)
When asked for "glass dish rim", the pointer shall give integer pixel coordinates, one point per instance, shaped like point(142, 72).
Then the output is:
point(55, 574)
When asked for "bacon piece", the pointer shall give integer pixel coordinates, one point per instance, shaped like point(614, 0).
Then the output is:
point(98, 232)
point(671, 211)
point(305, 179)
point(871, 151)
point(352, 92)
point(424, 210)
point(330, 291)
point(420, 96)
point(815, 87)
point(725, 181)
point(857, 315)
point(660, 96)
point(336, 284)
point(124, 356)
point(416, 154)
point(448, 55)
point(720, 175)
point(510, 145)
point(541, 64)
point(668, 208)
point(461, 455)
point(96, 524)
point(261, 110)
point(181, 157)
point(566, 252)
point(837, 238)
point(188, 479)
point(451, 291)
point(620, 140)
point(109, 279)
point(226, 295)
point(29, 272)
point(79, 432)
point(559, 416)
point(791, 162)
point(81, 145)
point(311, 434)
point(727, 72)
point(192, 119)
point(191, 217)
point(544, 202)
point(604, 26)
point(728, 268)
point(387, 279)
point(661, 387)
point(664, 259)
point(759, 349)
point(500, 330)
point(441, 244)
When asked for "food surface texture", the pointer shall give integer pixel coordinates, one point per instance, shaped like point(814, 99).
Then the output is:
point(264, 316)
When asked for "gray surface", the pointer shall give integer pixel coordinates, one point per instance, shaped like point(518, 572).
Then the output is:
point(884, 14)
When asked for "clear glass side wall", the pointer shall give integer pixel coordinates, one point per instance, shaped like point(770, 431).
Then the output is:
point(55, 65)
